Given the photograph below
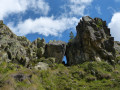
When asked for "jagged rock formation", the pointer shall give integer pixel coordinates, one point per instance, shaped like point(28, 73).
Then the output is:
point(55, 49)
point(20, 50)
point(40, 44)
point(14, 48)
point(92, 43)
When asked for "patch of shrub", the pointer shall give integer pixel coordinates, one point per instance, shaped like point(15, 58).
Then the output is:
point(100, 75)
point(90, 78)
point(99, 24)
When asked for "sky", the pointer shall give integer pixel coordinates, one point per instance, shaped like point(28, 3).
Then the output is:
point(55, 19)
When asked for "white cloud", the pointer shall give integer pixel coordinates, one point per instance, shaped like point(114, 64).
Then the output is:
point(17, 6)
point(114, 25)
point(77, 7)
point(117, 0)
point(98, 9)
point(44, 25)
point(81, 1)
point(77, 10)
point(50, 25)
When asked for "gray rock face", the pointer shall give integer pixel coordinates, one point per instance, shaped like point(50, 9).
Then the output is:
point(3, 56)
point(92, 43)
point(24, 41)
point(117, 48)
point(40, 44)
point(14, 48)
point(55, 49)
point(19, 49)
point(1, 22)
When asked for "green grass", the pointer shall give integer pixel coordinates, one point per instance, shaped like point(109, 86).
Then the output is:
point(99, 24)
point(86, 76)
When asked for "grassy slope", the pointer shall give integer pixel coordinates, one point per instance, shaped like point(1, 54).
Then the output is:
point(87, 76)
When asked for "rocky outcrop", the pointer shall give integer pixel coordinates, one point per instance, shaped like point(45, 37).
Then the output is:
point(1, 22)
point(55, 49)
point(23, 41)
point(14, 48)
point(117, 48)
point(93, 42)
point(40, 44)
point(3, 56)
point(20, 50)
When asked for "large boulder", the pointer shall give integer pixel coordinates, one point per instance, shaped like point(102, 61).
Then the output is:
point(93, 42)
point(42, 66)
point(55, 49)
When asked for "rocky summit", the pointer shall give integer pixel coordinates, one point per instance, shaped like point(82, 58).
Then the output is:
point(93, 42)
point(93, 60)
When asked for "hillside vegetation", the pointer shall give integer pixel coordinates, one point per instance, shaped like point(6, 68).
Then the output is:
point(93, 60)
point(86, 76)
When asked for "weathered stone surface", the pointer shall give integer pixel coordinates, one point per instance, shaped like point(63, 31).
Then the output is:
point(49, 60)
point(55, 49)
point(39, 42)
point(24, 41)
point(17, 49)
point(42, 66)
point(1, 22)
point(3, 56)
point(117, 48)
point(92, 43)
point(40, 52)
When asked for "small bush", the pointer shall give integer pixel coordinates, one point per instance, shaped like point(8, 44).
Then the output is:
point(90, 78)
point(99, 24)
point(100, 75)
